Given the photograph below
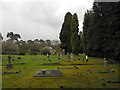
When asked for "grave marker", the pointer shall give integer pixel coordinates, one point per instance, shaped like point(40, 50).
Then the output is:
point(105, 63)
point(71, 55)
point(9, 65)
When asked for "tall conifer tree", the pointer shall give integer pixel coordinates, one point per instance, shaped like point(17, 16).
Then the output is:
point(65, 34)
point(74, 36)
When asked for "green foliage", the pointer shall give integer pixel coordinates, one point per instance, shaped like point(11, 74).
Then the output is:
point(100, 29)
point(8, 47)
point(13, 36)
point(75, 38)
point(65, 34)
point(48, 42)
point(45, 51)
point(81, 42)
point(41, 41)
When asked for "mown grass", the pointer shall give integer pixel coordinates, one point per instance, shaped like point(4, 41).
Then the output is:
point(73, 78)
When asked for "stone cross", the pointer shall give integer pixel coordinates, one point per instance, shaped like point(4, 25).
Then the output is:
point(9, 65)
point(9, 59)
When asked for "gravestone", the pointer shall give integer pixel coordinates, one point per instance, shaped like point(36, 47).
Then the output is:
point(105, 63)
point(60, 55)
point(48, 55)
point(48, 73)
point(71, 55)
point(9, 65)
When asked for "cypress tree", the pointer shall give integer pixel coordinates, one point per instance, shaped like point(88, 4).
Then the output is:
point(74, 36)
point(65, 34)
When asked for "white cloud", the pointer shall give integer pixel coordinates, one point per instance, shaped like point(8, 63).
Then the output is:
point(39, 19)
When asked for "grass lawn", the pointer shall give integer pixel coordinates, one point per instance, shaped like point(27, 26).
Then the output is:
point(73, 78)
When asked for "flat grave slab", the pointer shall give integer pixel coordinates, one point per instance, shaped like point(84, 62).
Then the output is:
point(48, 73)
point(74, 67)
point(51, 64)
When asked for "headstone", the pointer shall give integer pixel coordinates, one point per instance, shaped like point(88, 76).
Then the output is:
point(9, 65)
point(86, 58)
point(47, 55)
point(43, 71)
point(61, 86)
point(71, 55)
point(105, 63)
point(60, 55)
point(48, 73)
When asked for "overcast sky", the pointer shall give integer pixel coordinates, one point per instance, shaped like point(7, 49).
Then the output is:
point(39, 19)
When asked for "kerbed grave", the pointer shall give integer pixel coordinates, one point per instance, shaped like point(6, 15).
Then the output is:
point(48, 73)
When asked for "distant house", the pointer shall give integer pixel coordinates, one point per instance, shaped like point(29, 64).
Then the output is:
point(51, 50)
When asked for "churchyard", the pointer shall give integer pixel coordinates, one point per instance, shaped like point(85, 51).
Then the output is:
point(74, 73)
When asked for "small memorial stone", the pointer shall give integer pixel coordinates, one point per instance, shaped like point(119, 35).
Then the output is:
point(105, 63)
point(61, 86)
point(43, 71)
point(9, 59)
point(71, 55)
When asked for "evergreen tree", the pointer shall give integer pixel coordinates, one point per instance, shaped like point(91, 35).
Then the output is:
point(88, 36)
point(100, 30)
point(65, 34)
point(81, 41)
point(74, 36)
